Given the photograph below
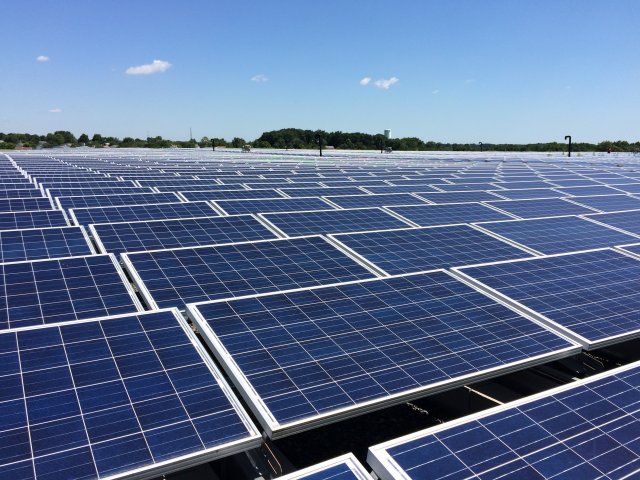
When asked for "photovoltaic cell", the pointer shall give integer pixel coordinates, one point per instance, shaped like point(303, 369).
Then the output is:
point(113, 200)
point(635, 249)
point(586, 429)
point(333, 221)
point(229, 194)
point(559, 234)
point(237, 207)
point(321, 191)
point(132, 394)
point(450, 213)
point(140, 236)
point(345, 467)
point(609, 203)
point(133, 213)
point(595, 190)
point(21, 193)
point(544, 207)
point(38, 243)
point(592, 295)
point(528, 193)
point(173, 278)
point(628, 221)
point(401, 189)
point(35, 219)
point(24, 204)
point(301, 358)
point(459, 197)
point(61, 290)
point(359, 201)
point(419, 249)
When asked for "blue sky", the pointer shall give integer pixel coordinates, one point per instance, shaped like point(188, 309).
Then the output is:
point(465, 71)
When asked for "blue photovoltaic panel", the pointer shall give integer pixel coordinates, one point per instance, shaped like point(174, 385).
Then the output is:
point(599, 190)
point(333, 221)
point(528, 193)
point(525, 184)
point(371, 200)
point(96, 189)
point(400, 189)
point(173, 278)
point(113, 200)
point(237, 207)
point(445, 214)
point(594, 295)
point(609, 203)
point(459, 197)
point(632, 248)
point(559, 234)
point(574, 183)
point(24, 204)
point(628, 221)
point(140, 236)
point(230, 194)
point(419, 249)
point(543, 207)
point(585, 430)
point(346, 467)
point(459, 187)
point(38, 243)
point(629, 187)
point(62, 290)
point(35, 219)
point(133, 213)
point(21, 193)
point(111, 396)
point(303, 357)
point(321, 191)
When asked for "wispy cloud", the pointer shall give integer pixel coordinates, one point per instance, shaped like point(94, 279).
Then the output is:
point(261, 77)
point(435, 92)
point(55, 110)
point(386, 83)
point(42, 58)
point(157, 66)
point(568, 87)
point(470, 80)
point(365, 81)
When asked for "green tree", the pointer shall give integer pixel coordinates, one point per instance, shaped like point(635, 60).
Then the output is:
point(84, 138)
point(238, 142)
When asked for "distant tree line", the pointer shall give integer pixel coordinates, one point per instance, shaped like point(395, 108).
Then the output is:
point(295, 138)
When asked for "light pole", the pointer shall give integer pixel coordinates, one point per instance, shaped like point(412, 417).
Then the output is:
point(480, 145)
point(569, 138)
point(319, 138)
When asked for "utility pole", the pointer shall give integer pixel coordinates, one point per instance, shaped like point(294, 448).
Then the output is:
point(569, 138)
point(480, 146)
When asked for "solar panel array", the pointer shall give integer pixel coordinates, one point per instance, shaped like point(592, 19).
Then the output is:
point(301, 275)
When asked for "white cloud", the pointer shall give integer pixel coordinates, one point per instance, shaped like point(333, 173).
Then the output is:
point(42, 58)
point(385, 83)
point(435, 92)
point(157, 66)
point(365, 81)
point(55, 110)
point(568, 87)
point(260, 78)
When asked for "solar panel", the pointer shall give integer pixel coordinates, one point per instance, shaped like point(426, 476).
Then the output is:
point(460, 187)
point(585, 429)
point(229, 194)
point(127, 395)
point(35, 219)
point(447, 214)
point(113, 200)
point(308, 357)
point(628, 221)
point(401, 189)
point(173, 278)
point(543, 207)
point(345, 467)
point(609, 203)
point(333, 221)
point(629, 187)
point(633, 249)
point(592, 297)
point(38, 243)
point(21, 193)
point(96, 189)
point(61, 290)
point(558, 234)
point(595, 190)
point(458, 197)
point(157, 234)
point(24, 204)
point(375, 200)
point(237, 207)
point(528, 193)
point(419, 249)
point(133, 213)
point(321, 191)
